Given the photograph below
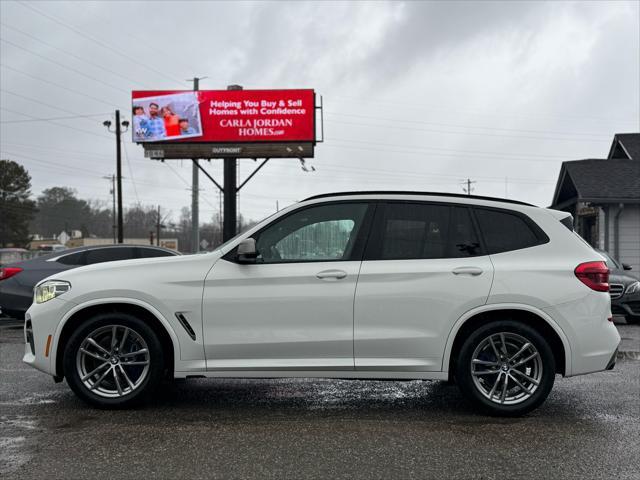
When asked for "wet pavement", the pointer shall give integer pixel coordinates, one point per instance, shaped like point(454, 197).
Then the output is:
point(588, 428)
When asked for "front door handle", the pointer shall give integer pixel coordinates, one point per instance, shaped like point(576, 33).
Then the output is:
point(474, 271)
point(331, 274)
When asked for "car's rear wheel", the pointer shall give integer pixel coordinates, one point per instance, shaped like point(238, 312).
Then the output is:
point(114, 360)
point(506, 368)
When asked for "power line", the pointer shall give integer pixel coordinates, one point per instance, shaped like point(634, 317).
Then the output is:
point(445, 132)
point(54, 123)
point(475, 152)
point(133, 182)
point(78, 72)
point(40, 102)
point(53, 118)
point(417, 106)
point(421, 122)
point(136, 61)
point(66, 52)
point(55, 84)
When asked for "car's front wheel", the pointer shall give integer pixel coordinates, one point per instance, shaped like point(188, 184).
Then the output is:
point(114, 360)
point(506, 368)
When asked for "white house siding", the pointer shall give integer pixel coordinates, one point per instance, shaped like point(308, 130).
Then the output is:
point(629, 241)
point(601, 229)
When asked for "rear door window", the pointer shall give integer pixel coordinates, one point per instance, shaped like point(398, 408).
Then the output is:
point(504, 231)
point(405, 231)
point(100, 255)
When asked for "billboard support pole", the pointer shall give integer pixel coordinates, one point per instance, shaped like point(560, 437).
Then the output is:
point(195, 213)
point(230, 214)
point(230, 189)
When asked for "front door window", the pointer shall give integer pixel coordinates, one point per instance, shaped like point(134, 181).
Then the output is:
point(322, 233)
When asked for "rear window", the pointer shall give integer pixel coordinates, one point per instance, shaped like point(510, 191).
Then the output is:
point(72, 259)
point(101, 255)
point(153, 252)
point(504, 231)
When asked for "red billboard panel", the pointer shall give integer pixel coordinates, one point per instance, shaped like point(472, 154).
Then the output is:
point(230, 116)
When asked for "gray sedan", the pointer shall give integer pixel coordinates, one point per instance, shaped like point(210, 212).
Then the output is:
point(18, 279)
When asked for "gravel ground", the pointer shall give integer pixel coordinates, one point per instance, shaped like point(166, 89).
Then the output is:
point(211, 428)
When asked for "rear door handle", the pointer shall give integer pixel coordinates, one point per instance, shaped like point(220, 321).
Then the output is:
point(474, 271)
point(331, 274)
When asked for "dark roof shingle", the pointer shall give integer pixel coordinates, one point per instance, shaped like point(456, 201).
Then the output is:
point(605, 179)
point(630, 143)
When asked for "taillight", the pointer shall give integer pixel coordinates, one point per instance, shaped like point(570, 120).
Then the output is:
point(594, 275)
point(8, 272)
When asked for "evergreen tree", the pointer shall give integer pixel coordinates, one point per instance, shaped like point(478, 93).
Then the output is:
point(16, 208)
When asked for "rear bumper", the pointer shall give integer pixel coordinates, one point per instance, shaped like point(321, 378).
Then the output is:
point(593, 339)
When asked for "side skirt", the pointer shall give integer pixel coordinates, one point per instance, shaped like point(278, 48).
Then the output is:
point(338, 374)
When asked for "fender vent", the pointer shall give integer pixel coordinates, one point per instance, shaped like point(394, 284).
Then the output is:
point(185, 324)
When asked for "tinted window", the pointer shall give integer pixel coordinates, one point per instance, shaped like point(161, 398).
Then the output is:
point(72, 259)
point(153, 252)
point(322, 233)
point(414, 231)
point(100, 255)
point(504, 231)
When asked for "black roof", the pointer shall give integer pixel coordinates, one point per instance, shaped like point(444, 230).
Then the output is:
point(402, 192)
point(598, 181)
point(625, 146)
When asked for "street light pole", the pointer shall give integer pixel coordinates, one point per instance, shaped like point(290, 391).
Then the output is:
point(118, 131)
point(119, 175)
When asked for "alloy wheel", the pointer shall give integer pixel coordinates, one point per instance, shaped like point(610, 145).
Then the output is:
point(506, 368)
point(113, 361)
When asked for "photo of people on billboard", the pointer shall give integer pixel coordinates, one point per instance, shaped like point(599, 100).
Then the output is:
point(166, 117)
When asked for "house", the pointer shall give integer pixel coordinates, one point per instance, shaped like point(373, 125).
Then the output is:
point(603, 195)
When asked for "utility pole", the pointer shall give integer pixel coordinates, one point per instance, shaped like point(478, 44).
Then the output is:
point(468, 189)
point(230, 192)
point(112, 192)
point(118, 131)
point(158, 226)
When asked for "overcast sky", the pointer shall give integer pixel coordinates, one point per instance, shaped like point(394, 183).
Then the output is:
point(418, 96)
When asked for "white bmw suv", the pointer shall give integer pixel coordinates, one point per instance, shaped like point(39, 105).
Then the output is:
point(496, 295)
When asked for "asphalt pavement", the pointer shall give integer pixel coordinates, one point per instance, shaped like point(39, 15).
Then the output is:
point(589, 427)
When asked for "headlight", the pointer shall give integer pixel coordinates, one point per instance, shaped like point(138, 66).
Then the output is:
point(50, 289)
point(633, 288)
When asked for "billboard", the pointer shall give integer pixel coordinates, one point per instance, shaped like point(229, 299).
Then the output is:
point(224, 116)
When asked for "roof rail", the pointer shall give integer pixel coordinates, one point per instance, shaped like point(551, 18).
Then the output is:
point(432, 194)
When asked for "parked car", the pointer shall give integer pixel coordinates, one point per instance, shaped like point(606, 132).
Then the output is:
point(498, 295)
point(11, 255)
point(624, 289)
point(18, 279)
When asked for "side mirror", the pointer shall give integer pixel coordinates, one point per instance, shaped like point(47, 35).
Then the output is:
point(626, 266)
point(247, 252)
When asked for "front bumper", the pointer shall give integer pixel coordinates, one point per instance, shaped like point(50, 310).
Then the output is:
point(41, 322)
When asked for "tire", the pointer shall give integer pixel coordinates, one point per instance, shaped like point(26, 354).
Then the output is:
point(108, 374)
point(481, 373)
point(632, 319)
